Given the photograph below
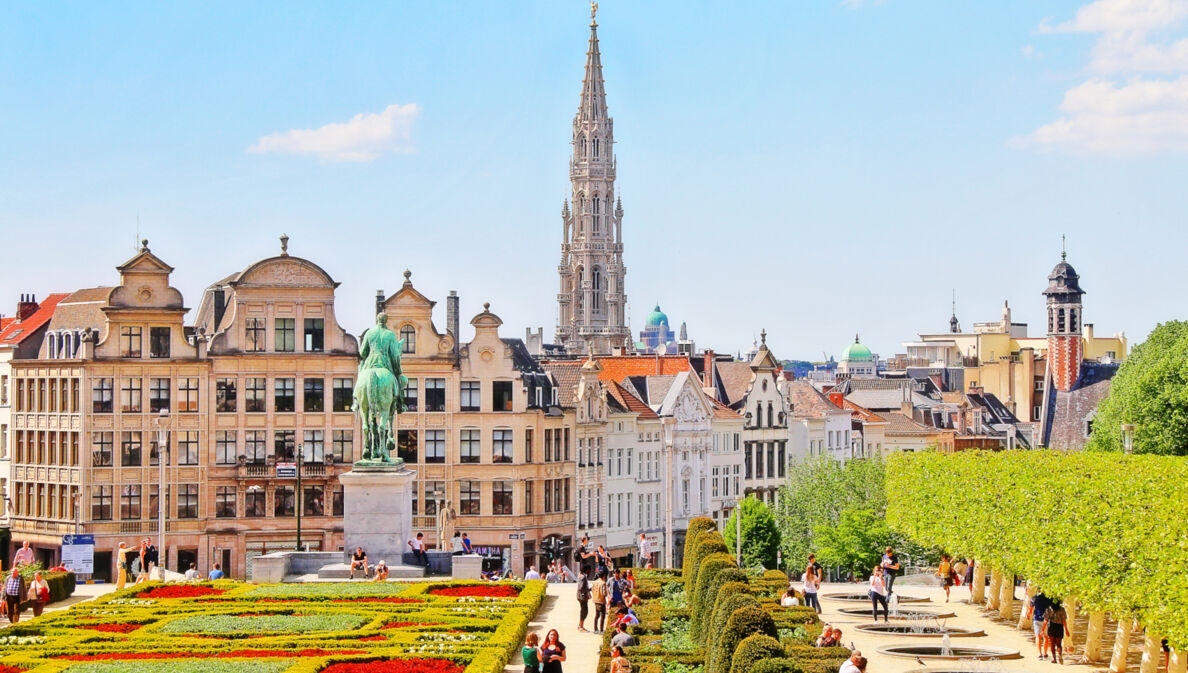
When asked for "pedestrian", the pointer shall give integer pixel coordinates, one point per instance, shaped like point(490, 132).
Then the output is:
point(598, 594)
point(24, 555)
point(418, 549)
point(216, 573)
point(1056, 626)
point(1037, 608)
point(552, 577)
point(851, 665)
point(969, 575)
point(878, 593)
point(583, 599)
point(645, 551)
point(630, 579)
point(890, 565)
point(812, 582)
point(154, 559)
point(39, 593)
point(122, 565)
point(619, 663)
point(621, 637)
point(530, 653)
point(826, 638)
point(142, 555)
point(552, 653)
point(788, 599)
point(616, 590)
point(14, 593)
point(946, 574)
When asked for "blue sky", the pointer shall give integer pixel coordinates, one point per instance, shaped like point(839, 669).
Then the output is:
point(812, 168)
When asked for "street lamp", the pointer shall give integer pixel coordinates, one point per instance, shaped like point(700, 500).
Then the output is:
point(738, 530)
point(669, 422)
point(162, 423)
point(300, 498)
point(1128, 437)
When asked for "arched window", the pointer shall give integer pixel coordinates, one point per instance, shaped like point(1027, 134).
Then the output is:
point(408, 333)
point(770, 415)
point(1060, 320)
point(596, 148)
point(584, 146)
point(579, 294)
point(758, 415)
point(597, 289)
point(1072, 320)
point(597, 215)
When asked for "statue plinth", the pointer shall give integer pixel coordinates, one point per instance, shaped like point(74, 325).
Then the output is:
point(396, 465)
point(377, 510)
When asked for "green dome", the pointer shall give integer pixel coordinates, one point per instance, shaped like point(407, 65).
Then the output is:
point(657, 318)
point(856, 352)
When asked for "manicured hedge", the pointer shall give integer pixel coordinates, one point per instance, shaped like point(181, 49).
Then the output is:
point(744, 622)
point(713, 592)
point(752, 650)
point(1106, 529)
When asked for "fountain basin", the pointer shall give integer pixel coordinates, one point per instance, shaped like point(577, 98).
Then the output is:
point(913, 613)
point(952, 653)
point(864, 598)
point(917, 631)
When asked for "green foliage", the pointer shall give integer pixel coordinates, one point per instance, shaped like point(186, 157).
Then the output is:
point(760, 535)
point(856, 543)
point(676, 634)
point(725, 607)
point(710, 566)
point(691, 558)
point(708, 543)
point(673, 596)
point(226, 624)
point(1149, 391)
point(752, 650)
point(184, 666)
point(1109, 530)
point(678, 667)
point(743, 622)
point(732, 577)
point(776, 665)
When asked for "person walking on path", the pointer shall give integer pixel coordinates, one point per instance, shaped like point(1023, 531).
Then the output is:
point(619, 663)
point(1037, 608)
point(530, 653)
point(143, 574)
point(969, 575)
point(153, 557)
point(24, 555)
point(14, 593)
point(583, 599)
point(552, 653)
point(598, 594)
point(1056, 626)
point(878, 593)
point(890, 566)
point(645, 551)
point(946, 574)
point(39, 593)
point(812, 582)
point(122, 564)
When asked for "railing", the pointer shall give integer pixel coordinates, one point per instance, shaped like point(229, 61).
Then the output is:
point(138, 527)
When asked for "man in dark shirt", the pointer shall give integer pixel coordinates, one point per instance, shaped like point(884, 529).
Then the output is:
point(1039, 607)
point(359, 560)
point(890, 565)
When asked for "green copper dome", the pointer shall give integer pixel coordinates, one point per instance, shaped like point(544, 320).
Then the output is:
point(657, 318)
point(856, 352)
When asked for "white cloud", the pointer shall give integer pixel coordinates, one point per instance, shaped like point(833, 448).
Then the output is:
point(1139, 114)
point(366, 137)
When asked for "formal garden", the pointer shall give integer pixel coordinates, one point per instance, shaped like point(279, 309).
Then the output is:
point(232, 627)
point(718, 618)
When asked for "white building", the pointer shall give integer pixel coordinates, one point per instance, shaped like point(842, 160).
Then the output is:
point(753, 390)
point(817, 427)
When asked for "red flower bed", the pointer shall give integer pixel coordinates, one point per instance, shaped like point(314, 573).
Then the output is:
point(11, 669)
point(398, 666)
point(368, 639)
point(480, 590)
point(179, 591)
point(400, 625)
point(236, 654)
point(110, 628)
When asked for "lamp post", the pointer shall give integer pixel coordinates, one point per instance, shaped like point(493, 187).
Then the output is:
point(162, 423)
point(738, 530)
point(669, 422)
point(1128, 437)
point(300, 493)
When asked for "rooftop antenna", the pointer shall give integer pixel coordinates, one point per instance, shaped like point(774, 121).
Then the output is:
point(1063, 251)
point(136, 243)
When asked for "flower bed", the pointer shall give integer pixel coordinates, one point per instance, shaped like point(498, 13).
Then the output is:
point(231, 627)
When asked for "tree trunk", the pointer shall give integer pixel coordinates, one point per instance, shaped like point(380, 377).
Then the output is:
point(1152, 652)
point(979, 583)
point(1093, 637)
point(995, 589)
point(1006, 603)
point(1179, 662)
point(1024, 620)
point(1121, 645)
point(1070, 643)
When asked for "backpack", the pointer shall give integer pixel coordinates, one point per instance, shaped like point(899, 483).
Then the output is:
point(583, 591)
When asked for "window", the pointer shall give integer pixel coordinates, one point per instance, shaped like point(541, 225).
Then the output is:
point(284, 502)
point(758, 461)
point(155, 448)
point(225, 396)
point(225, 450)
point(130, 449)
point(253, 332)
point(501, 396)
point(225, 502)
point(406, 445)
point(101, 396)
point(75, 386)
point(408, 334)
point(435, 491)
point(314, 398)
point(336, 501)
point(313, 502)
point(4, 389)
point(130, 501)
point(315, 446)
point(470, 446)
point(410, 395)
point(566, 431)
point(468, 497)
point(130, 396)
point(158, 395)
point(187, 395)
point(1035, 412)
point(435, 446)
point(130, 342)
point(343, 448)
point(255, 447)
point(255, 390)
point(20, 395)
point(528, 497)
point(747, 459)
point(158, 342)
point(100, 503)
point(187, 447)
point(285, 398)
point(254, 502)
point(771, 460)
point(470, 396)
point(501, 446)
point(101, 449)
point(548, 498)
point(284, 445)
point(284, 337)
point(783, 458)
point(501, 497)
point(435, 395)
point(187, 501)
point(344, 392)
point(315, 335)
point(528, 445)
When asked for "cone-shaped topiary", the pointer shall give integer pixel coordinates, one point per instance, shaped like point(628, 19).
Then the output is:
point(729, 600)
point(752, 650)
point(709, 569)
point(745, 621)
point(709, 542)
point(698, 527)
point(704, 610)
point(776, 665)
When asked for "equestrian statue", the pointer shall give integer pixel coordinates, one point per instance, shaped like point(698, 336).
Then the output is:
point(379, 393)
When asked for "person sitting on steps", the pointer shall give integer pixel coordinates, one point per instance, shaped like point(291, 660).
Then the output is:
point(359, 560)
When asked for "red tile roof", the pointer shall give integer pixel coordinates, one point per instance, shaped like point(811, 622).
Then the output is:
point(16, 332)
point(619, 367)
point(630, 402)
point(723, 411)
point(862, 413)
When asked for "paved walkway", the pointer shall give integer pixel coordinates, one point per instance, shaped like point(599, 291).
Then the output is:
point(82, 593)
point(560, 611)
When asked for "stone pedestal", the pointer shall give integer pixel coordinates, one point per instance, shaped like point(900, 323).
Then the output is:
point(377, 513)
point(467, 567)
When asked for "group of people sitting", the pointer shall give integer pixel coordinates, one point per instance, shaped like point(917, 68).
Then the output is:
point(829, 637)
point(359, 562)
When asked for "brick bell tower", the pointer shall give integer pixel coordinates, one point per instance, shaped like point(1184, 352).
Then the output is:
point(1065, 347)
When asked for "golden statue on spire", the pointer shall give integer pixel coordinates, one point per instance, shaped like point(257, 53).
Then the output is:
point(593, 10)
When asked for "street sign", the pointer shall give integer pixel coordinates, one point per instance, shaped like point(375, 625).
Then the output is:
point(78, 553)
point(515, 536)
point(286, 470)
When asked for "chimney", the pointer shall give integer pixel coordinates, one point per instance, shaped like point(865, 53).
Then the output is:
point(379, 302)
point(452, 310)
point(220, 307)
point(906, 409)
point(26, 307)
point(1088, 331)
point(836, 397)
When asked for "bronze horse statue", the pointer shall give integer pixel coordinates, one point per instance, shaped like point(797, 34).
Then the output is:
point(379, 391)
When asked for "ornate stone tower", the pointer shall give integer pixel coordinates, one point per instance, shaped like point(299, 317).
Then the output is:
point(592, 300)
point(1065, 348)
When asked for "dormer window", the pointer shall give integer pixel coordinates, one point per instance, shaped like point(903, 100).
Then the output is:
point(130, 342)
point(159, 342)
point(408, 334)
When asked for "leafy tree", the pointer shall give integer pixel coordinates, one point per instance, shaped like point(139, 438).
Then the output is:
point(1149, 391)
point(856, 543)
point(760, 535)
